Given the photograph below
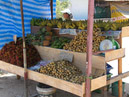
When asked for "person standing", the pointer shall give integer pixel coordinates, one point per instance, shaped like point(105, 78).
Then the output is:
point(67, 15)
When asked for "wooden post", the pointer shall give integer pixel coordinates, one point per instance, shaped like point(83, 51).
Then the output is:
point(51, 6)
point(104, 89)
point(24, 52)
point(83, 89)
point(120, 69)
point(89, 47)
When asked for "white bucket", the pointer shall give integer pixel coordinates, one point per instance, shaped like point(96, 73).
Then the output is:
point(45, 92)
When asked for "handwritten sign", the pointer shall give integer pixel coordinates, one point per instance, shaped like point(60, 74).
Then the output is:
point(68, 31)
point(66, 56)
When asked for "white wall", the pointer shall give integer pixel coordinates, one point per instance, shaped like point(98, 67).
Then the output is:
point(79, 9)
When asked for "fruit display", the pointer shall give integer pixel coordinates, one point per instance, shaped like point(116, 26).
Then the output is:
point(63, 70)
point(59, 23)
point(45, 38)
point(78, 44)
point(59, 42)
point(42, 37)
point(37, 38)
point(106, 26)
point(13, 53)
point(36, 22)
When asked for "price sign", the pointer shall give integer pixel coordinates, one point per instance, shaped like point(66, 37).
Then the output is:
point(68, 31)
point(66, 56)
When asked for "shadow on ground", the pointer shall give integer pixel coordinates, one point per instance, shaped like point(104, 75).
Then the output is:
point(11, 87)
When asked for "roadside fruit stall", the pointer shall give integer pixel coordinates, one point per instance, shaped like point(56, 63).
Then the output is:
point(66, 48)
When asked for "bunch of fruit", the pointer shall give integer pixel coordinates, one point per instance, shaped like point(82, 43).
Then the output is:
point(105, 26)
point(59, 23)
point(36, 38)
point(13, 53)
point(36, 22)
point(78, 44)
point(59, 42)
point(42, 37)
point(73, 25)
point(63, 70)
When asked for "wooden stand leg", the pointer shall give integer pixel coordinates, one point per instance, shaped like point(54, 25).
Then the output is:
point(120, 69)
point(83, 95)
point(83, 90)
point(104, 91)
point(18, 77)
point(120, 81)
point(120, 88)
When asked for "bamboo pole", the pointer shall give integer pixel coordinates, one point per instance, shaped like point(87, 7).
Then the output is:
point(89, 47)
point(51, 5)
point(24, 53)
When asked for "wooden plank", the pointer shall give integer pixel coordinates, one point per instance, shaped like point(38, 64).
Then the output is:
point(118, 77)
point(12, 68)
point(99, 52)
point(115, 54)
point(125, 31)
point(57, 83)
point(98, 82)
point(79, 59)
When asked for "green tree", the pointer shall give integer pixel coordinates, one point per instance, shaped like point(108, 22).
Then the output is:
point(61, 5)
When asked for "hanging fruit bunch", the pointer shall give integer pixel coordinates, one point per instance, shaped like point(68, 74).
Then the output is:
point(78, 44)
point(13, 53)
point(63, 70)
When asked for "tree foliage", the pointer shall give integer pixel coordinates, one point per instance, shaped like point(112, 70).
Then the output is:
point(60, 6)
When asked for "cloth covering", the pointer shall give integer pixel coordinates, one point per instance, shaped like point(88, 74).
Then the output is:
point(10, 16)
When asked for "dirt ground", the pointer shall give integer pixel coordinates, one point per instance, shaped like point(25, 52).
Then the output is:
point(11, 87)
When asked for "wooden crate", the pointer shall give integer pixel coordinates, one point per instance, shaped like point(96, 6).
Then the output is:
point(98, 62)
point(114, 54)
point(47, 53)
point(35, 29)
